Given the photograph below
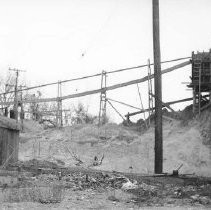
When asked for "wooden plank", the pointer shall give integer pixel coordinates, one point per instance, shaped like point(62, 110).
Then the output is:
point(205, 106)
point(167, 103)
point(116, 110)
point(94, 75)
point(123, 103)
point(113, 87)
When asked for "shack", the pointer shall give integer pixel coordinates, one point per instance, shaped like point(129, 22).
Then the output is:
point(9, 141)
point(201, 79)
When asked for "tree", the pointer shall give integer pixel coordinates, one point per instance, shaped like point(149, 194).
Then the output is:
point(80, 115)
point(6, 86)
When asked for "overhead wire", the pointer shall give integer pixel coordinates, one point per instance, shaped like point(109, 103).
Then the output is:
point(142, 106)
point(98, 33)
point(95, 75)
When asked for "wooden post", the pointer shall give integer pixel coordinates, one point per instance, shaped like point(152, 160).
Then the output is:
point(158, 163)
point(105, 98)
point(57, 112)
point(22, 111)
point(61, 117)
point(16, 96)
point(199, 91)
point(59, 106)
point(16, 92)
point(210, 96)
point(102, 110)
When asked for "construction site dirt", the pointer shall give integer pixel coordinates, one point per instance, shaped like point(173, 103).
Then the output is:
point(115, 172)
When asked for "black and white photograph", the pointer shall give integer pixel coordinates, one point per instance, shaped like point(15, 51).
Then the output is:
point(105, 104)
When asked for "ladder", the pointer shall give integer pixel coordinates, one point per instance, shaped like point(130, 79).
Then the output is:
point(197, 67)
point(150, 94)
point(59, 117)
point(103, 100)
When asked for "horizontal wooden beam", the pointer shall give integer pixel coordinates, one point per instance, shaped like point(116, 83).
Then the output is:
point(164, 104)
point(113, 87)
point(123, 103)
point(95, 75)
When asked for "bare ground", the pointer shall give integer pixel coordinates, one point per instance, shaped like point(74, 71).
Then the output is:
point(127, 151)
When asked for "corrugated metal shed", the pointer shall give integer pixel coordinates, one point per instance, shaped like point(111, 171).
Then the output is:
point(9, 140)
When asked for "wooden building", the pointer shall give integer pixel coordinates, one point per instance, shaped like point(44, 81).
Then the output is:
point(9, 140)
point(201, 79)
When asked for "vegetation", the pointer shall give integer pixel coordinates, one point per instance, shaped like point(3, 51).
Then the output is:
point(6, 85)
point(80, 115)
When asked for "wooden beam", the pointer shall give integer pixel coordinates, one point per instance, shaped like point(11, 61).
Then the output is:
point(205, 106)
point(164, 104)
point(167, 103)
point(116, 110)
point(123, 103)
point(95, 75)
point(158, 161)
point(91, 92)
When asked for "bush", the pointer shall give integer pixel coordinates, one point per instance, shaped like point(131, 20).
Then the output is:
point(81, 115)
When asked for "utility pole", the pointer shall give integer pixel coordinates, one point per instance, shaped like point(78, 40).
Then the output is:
point(158, 163)
point(22, 110)
point(16, 91)
point(59, 106)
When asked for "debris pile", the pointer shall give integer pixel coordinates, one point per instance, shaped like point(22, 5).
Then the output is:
point(143, 191)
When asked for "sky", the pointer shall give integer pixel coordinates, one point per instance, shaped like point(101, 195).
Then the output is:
point(62, 39)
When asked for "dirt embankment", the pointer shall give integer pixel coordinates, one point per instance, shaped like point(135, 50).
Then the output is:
point(186, 142)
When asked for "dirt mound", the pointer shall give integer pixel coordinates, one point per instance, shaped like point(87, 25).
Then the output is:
point(123, 148)
point(202, 122)
point(32, 126)
point(205, 126)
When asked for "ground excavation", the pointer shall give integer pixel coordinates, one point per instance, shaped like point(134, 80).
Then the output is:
point(84, 167)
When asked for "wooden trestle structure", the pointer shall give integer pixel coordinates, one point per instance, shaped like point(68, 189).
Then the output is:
point(201, 79)
point(108, 88)
point(200, 83)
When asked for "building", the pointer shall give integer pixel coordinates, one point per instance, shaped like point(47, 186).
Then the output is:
point(201, 79)
point(9, 140)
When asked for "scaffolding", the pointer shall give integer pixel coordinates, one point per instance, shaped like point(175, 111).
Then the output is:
point(59, 116)
point(201, 79)
point(103, 99)
point(150, 93)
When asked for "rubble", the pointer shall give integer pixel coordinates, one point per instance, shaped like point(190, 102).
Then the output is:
point(129, 185)
point(137, 190)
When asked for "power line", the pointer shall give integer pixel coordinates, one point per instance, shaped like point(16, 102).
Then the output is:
point(95, 75)
point(108, 88)
point(98, 33)
point(145, 65)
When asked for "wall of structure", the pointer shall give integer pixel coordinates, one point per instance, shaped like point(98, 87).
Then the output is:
point(9, 140)
point(201, 71)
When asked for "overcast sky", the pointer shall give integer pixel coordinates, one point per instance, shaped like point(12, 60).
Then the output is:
point(61, 39)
